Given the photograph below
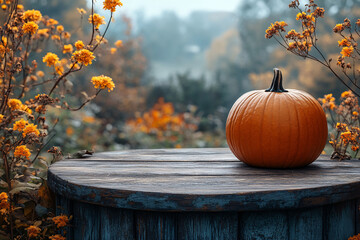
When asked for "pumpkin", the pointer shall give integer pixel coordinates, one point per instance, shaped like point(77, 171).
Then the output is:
point(276, 128)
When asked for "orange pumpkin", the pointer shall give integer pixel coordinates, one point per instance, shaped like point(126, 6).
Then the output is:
point(276, 128)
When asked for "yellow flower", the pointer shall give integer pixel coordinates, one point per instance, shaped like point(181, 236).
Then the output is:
point(113, 50)
point(1, 118)
point(22, 151)
point(33, 231)
point(338, 28)
point(301, 15)
point(81, 11)
point(20, 7)
point(355, 113)
point(30, 27)
point(51, 22)
point(43, 32)
point(32, 15)
point(344, 43)
point(103, 82)
point(60, 221)
point(329, 97)
point(112, 4)
point(20, 125)
point(97, 20)
point(79, 45)
point(347, 51)
point(118, 43)
point(59, 70)
point(31, 129)
point(68, 48)
point(83, 56)
point(50, 59)
point(15, 104)
point(3, 7)
point(55, 37)
point(345, 94)
point(60, 28)
point(57, 237)
point(66, 35)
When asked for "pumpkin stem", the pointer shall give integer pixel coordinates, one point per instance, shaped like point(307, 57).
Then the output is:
point(276, 85)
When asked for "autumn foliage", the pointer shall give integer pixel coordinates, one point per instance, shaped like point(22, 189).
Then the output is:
point(37, 58)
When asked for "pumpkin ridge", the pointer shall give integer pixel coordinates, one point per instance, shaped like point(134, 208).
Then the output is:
point(288, 99)
point(253, 104)
point(262, 129)
point(318, 123)
point(294, 101)
point(238, 110)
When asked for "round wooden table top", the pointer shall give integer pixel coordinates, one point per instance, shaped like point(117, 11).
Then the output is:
point(207, 179)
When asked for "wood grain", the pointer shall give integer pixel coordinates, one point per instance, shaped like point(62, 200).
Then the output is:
point(200, 180)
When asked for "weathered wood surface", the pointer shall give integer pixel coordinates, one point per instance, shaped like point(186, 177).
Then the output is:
point(200, 180)
point(200, 194)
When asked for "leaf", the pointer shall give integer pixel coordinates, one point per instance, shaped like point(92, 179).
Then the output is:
point(37, 223)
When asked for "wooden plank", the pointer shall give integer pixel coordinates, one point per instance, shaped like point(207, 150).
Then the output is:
point(116, 224)
point(65, 206)
point(270, 225)
point(305, 224)
point(155, 225)
point(357, 215)
point(86, 221)
point(199, 226)
point(340, 220)
point(213, 185)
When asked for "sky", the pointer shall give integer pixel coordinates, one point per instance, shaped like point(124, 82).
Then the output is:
point(182, 7)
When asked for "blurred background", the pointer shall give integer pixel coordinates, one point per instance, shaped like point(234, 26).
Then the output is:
point(180, 67)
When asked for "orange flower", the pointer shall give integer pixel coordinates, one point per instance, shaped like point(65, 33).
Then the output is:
point(118, 43)
point(22, 151)
point(68, 48)
point(30, 27)
point(32, 15)
point(345, 94)
point(81, 11)
point(60, 28)
point(354, 148)
point(111, 4)
point(4, 203)
point(31, 129)
point(347, 51)
point(113, 50)
point(57, 237)
point(344, 43)
point(40, 73)
point(15, 104)
point(20, 125)
point(355, 113)
point(338, 28)
point(60, 221)
point(1, 118)
point(33, 231)
point(79, 45)
point(83, 56)
point(103, 82)
point(50, 59)
point(97, 20)
point(51, 22)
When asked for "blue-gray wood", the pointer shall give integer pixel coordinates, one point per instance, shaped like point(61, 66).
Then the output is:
point(204, 194)
point(202, 225)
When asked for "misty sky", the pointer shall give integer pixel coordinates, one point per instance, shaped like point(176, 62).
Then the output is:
point(182, 8)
